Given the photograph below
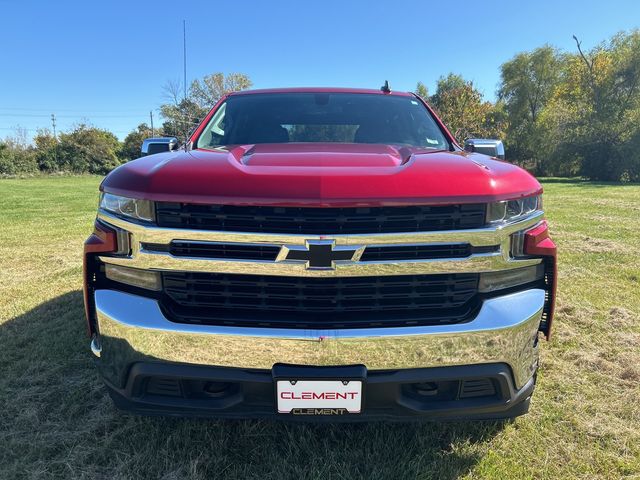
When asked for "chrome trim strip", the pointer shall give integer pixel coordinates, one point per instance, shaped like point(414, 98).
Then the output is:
point(484, 262)
point(491, 235)
point(488, 236)
point(133, 328)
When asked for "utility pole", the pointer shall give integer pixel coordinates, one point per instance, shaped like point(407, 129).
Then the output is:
point(53, 124)
point(153, 134)
point(55, 137)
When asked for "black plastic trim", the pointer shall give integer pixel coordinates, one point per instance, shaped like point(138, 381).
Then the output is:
point(321, 221)
point(386, 396)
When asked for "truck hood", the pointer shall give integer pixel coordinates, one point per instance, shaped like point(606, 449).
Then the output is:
point(320, 174)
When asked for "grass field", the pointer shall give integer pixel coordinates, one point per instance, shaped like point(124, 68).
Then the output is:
point(56, 420)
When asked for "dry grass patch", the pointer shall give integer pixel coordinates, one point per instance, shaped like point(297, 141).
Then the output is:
point(620, 317)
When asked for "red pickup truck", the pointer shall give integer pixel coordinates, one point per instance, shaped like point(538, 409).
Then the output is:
point(320, 253)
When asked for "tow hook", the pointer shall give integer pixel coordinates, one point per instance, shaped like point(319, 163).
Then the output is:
point(96, 348)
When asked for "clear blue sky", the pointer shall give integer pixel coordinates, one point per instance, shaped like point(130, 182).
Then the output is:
point(106, 62)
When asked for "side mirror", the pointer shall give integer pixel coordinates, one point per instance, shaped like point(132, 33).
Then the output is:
point(158, 145)
point(493, 148)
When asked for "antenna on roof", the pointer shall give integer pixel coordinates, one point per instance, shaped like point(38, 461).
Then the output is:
point(385, 88)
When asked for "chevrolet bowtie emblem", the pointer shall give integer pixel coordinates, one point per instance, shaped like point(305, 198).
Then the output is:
point(320, 254)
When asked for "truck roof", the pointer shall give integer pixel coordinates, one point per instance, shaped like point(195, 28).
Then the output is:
point(322, 90)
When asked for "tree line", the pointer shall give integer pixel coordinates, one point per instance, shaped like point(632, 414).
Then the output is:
point(87, 149)
point(558, 113)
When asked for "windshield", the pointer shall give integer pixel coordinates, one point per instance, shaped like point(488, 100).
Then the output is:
point(322, 117)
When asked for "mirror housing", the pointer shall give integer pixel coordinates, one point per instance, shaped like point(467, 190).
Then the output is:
point(493, 148)
point(158, 145)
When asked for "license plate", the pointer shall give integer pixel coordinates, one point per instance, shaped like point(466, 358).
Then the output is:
point(319, 397)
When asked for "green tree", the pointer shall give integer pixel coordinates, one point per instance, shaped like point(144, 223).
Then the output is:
point(594, 117)
point(133, 141)
point(181, 118)
point(528, 82)
point(422, 91)
point(183, 114)
point(17, 156)
point(462, 108)
point(16, 160)
point(46, 148)
point(88, 149)
point(211, 88)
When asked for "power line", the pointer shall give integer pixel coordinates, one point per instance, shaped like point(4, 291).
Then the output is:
point(81, 117)
point(13, 129)
point(29, 109)
point(45, 115)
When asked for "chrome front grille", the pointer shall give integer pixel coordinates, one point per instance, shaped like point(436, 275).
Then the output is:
point(409, 253)
point(266, 280)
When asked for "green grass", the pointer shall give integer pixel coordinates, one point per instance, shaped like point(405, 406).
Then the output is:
point(56, 419)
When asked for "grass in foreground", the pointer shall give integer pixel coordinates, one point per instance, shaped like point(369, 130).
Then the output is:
point(56, 420)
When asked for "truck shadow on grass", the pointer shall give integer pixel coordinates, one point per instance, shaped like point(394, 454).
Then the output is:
point(58, 419)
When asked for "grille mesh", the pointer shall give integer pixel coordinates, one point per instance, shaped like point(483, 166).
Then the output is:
point(302, 302)
point(320, 221)
point(416, 252)
point(217, 250)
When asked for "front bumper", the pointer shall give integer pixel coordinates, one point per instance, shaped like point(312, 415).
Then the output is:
point(133, 330)
point(462, 392)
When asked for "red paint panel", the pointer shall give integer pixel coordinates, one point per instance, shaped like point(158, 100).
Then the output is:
point(538, 242)
point(308, 174)
point(102, 240)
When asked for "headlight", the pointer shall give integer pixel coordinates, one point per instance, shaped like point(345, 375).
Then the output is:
point(505, 212)
point(127, 207)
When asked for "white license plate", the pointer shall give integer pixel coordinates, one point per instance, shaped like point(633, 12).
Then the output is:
point(319, 397)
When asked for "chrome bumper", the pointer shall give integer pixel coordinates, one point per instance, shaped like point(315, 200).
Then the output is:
point(133, 329)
